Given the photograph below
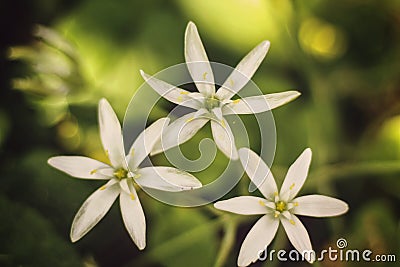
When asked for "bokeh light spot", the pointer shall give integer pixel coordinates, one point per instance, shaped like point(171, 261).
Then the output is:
point(321, 39)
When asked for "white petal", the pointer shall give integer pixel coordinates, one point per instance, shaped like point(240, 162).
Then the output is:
point(224, 138)
point(257, 104)
point(94, 209)
point(145, 142)
point(197, 96)
point(298, 236)
point(133, 216)
point(256, 241)
point(258, 172)
point(171, 93)
point(319, 206)
point(197, 61)
point(167, 179)
point(178, 132)
point(124, 185)
point(217, 112)
point(81, 167)
point(111, 135)
point(296, 176)
point(244, 205)
point(243, 71)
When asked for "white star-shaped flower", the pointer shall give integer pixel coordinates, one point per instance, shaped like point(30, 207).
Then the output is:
point(122, 174)
point(209, 104)
point(278, 206)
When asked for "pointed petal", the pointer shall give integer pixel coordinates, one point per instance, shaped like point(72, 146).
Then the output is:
point(81, 167)
point(296, 176)
point(178, 132)
point(111, 135)
point(145, 142)
point(319, 206)
point(133, 216)
point(167, 179)
point(298, 236)
point(197, 61)
point(171, 93)
point(94, 209)
point(256, 241)
point(258, 172)
point(243, 71)
point(224, 138)
point(258, 104)
point(244, 205)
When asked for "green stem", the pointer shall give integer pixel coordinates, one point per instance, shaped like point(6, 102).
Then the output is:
point(230, 227)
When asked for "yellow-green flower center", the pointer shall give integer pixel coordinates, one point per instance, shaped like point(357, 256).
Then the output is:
point(121, 174)
point(212, 102)
point(280, 206)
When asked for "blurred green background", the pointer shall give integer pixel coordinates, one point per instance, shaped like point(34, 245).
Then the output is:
point(343, 56)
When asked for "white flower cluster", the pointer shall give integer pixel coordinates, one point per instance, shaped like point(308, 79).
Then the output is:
point(124, 172)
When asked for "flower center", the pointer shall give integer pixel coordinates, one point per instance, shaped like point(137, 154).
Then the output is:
point(121, 174)
point(212, 102)
point(280, 206)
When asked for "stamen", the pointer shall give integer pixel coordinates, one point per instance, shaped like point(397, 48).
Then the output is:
point(280, 206)
point(236, 101)
point(132, 196)
point(231, 82)
point(223, 123)
point(179, 99)
point(291, 187)
point(121, 174)
point(205, 75)
point(190, 119)
point(103, 187)
point(132, 152)
point(262, 203)
point(93, 171)
point(296, 204)
point(292, 222)
point(184, 92)
point(276, 215)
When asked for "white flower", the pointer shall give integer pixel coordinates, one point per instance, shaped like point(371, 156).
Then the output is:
point(122, 174)
point(278, 207)
point(211, 105)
